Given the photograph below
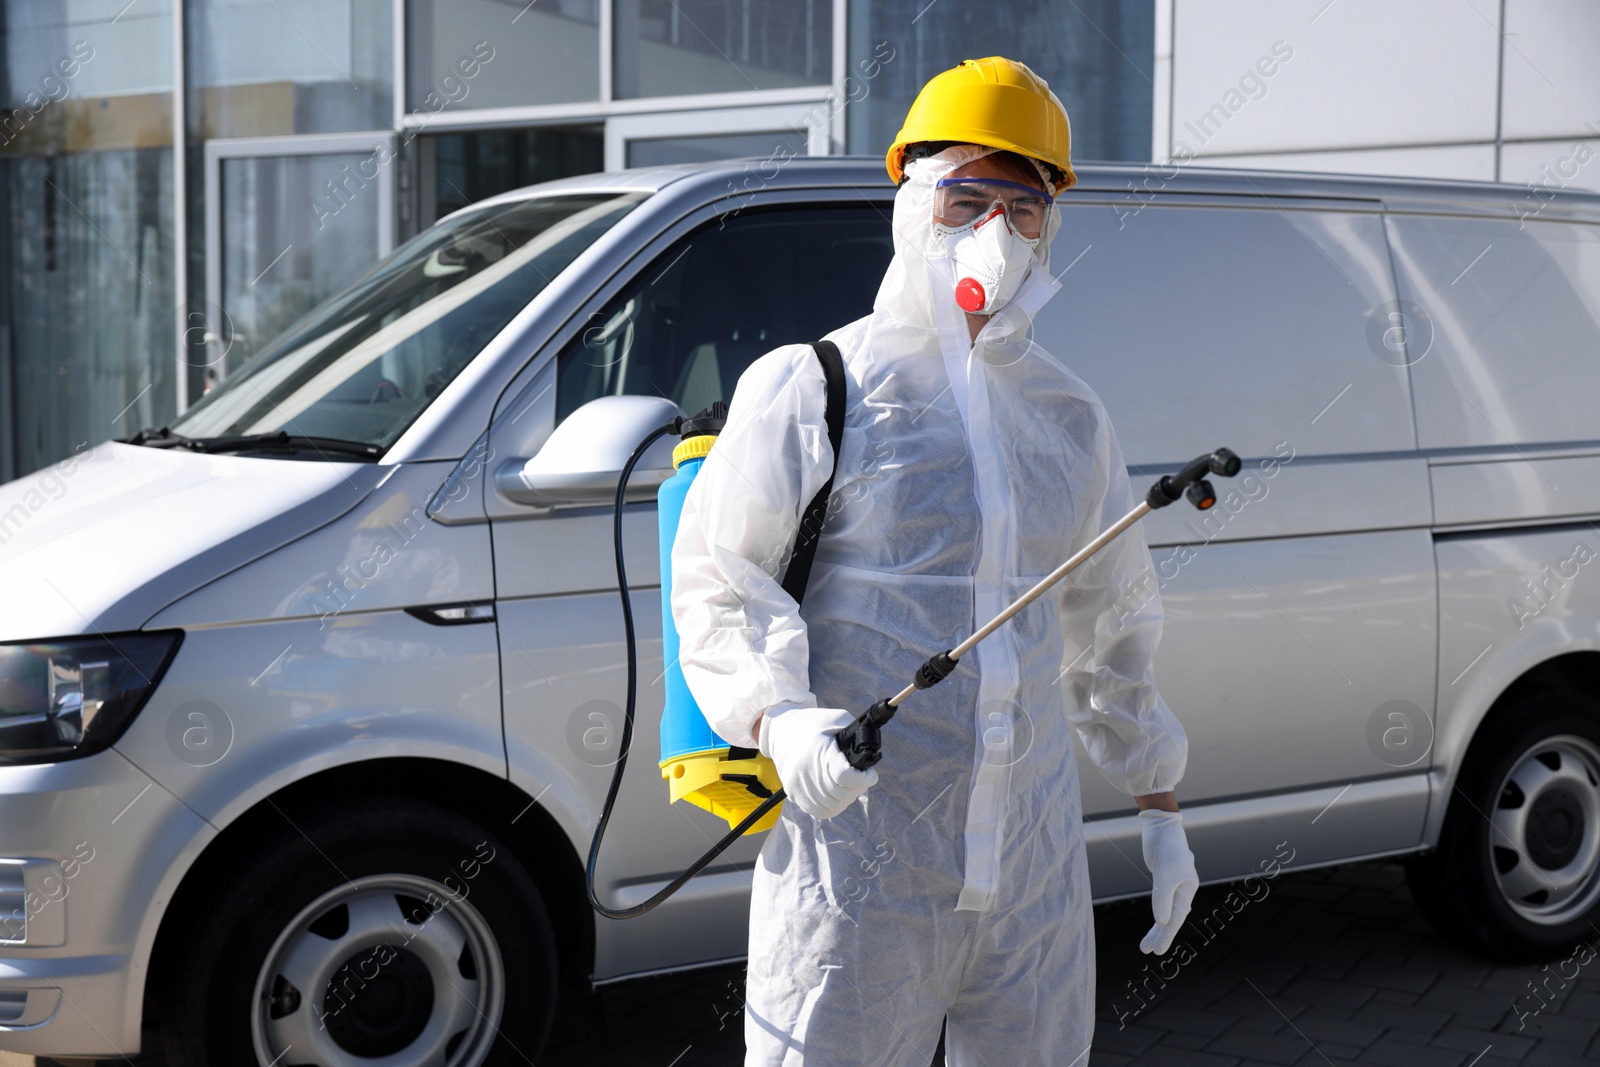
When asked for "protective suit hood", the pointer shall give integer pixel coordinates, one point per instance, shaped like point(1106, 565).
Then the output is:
point(918, 289)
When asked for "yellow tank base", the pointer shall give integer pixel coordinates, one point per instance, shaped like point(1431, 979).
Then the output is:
point(722, 786)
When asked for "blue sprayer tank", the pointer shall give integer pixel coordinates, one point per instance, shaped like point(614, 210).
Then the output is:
point(695, 760)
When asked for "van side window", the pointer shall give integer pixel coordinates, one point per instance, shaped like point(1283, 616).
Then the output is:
point(1512, 314)
point(1199, 326)
point(705, 309)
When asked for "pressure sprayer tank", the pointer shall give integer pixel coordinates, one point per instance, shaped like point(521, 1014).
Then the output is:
point(697, 763)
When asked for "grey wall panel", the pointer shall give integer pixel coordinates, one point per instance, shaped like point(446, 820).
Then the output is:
point(1353, 61)
point(1552, 83)
point(1463, 162)
point(1570, 163)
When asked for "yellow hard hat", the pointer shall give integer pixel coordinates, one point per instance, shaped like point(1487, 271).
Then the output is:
point(996, 102)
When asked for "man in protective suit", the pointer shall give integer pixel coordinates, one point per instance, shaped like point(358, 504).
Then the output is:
point(952, 888)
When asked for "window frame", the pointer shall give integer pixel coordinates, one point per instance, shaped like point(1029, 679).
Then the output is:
point(644, 279)
point(220, 151)
point(524, 415)
point(621, 129)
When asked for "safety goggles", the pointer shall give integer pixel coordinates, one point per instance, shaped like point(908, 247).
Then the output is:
point(960, 202)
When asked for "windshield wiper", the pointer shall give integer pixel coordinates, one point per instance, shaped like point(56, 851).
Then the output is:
point(156, 437)
point(276, 441)
point(282, 440)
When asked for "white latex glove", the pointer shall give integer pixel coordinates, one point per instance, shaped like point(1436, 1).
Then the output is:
point(1166, 853)
point(814, 772)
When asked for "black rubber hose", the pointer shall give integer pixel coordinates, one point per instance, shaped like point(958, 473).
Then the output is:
point(627, 723)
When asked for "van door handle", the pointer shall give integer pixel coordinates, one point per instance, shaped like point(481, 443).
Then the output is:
point(522, 483)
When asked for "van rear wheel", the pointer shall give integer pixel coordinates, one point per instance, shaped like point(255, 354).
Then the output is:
point(1517, 871)
point(377, 931)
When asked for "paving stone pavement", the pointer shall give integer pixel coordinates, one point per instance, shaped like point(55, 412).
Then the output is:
point(1322, 969)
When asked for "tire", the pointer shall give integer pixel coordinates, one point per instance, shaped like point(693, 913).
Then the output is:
point(380, 931)
point(1517, 872)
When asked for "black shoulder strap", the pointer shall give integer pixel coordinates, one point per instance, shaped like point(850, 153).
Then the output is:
point(805, 545)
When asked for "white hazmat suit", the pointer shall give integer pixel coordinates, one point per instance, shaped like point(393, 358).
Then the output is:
point(957, 885)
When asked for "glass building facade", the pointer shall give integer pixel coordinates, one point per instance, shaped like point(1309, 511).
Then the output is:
point(182, 180)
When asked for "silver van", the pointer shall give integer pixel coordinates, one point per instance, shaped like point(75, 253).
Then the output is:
point(308, 703)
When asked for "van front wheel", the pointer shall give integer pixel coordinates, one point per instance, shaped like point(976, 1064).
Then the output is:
point(1517, 871)
point(388, 931)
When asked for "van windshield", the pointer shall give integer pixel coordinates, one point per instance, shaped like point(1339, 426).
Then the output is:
point(362, 366)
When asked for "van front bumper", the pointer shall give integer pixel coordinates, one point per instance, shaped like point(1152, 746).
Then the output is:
point(90, 852)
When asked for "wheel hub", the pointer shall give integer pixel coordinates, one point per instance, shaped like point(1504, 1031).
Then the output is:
point(1555, 829)
point(378, 1002)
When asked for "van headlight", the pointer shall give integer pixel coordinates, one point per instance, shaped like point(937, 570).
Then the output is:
point(73, 697)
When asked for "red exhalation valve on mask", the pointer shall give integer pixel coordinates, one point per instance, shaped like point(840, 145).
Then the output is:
point(970, 296)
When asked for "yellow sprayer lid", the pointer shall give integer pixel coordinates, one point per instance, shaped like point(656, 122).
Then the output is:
point(693, 448)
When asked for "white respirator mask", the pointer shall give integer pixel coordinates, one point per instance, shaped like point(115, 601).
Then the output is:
point(981, 223)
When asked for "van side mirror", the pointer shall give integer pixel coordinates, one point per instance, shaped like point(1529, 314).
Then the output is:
point(582, 459)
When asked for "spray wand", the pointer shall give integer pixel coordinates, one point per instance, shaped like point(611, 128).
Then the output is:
point(862, 740)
